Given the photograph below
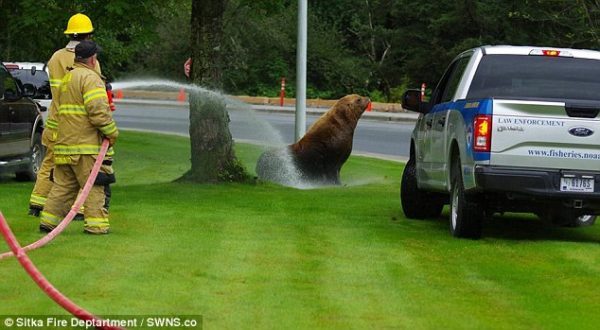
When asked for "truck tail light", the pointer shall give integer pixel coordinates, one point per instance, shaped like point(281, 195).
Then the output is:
point(482, 139)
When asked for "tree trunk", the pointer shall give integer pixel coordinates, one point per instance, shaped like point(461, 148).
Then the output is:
point(212, 154)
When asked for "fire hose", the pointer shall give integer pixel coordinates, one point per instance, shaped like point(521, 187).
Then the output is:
point(31, 269)
point(43, 283)
point(76, 206)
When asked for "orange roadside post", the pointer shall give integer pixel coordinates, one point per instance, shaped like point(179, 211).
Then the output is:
point(282, 93)
point(181, 95)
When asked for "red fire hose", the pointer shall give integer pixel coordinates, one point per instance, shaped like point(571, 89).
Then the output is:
point(34, 273)
point(78, 202)
point(43, 283)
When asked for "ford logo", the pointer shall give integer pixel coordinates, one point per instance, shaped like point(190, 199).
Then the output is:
point(581, 131)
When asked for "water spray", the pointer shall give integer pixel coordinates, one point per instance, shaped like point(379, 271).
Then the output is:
point(74, 209)
point(269, 136)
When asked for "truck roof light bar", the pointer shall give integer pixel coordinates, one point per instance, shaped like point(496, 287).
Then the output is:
point(551, 53)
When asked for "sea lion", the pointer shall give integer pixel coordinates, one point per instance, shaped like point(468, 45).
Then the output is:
point(319, 155)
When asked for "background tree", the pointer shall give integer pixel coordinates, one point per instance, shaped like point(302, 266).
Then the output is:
point(31, 30)
point(371, 47)
point(213, 157)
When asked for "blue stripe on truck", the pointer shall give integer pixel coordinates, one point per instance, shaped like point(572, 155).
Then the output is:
point(468, 110)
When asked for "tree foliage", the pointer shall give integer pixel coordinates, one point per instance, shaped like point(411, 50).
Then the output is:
point(32, 30)
point(374, 47)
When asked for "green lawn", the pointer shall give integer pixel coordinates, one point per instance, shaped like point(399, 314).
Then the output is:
point(265, 256)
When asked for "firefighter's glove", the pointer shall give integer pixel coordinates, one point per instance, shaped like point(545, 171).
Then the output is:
point(112, 139)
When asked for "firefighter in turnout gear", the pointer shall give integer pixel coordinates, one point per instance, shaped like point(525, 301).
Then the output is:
point(84, 120)
point(79, 28)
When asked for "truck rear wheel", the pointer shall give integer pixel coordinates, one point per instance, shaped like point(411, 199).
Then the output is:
point(37, 155)
point(566, 219)
point(465, 213)
point(585, 221)
point(416, 203)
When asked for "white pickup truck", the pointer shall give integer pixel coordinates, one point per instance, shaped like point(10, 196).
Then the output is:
point(507, 129)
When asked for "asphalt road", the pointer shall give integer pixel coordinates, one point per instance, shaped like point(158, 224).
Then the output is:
point(384, 139)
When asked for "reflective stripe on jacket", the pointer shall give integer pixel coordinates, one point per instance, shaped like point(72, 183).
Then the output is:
point(59, 64)
point(84, 116)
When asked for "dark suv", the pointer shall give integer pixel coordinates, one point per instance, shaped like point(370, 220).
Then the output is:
point(21, 126)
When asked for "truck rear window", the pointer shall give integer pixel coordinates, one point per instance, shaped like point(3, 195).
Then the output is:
point(39, 79)
point(536, 77)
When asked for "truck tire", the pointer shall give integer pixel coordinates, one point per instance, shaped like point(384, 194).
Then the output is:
point(37, 155)
point(465, 213)
point(416, 203)
point(584, 221)
point(566, 219)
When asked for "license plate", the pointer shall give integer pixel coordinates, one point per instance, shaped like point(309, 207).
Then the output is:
point(577, 184)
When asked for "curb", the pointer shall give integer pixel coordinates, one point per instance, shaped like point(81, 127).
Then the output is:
point(408, 117)
point(262, 100)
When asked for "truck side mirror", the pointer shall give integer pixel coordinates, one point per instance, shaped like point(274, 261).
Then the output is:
point(11, 94)
point(411, 100)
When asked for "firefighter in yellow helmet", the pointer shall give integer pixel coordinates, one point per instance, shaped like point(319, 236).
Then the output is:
point(84, 120)
point(79, 28)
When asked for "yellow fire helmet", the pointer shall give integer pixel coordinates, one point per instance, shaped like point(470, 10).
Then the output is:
point(79, 23)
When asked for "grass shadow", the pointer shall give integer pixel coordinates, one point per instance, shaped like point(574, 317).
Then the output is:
point(529, 228)
point(518, 227)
